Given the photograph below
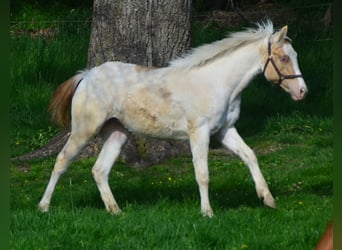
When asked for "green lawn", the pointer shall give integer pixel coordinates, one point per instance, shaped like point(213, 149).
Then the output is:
point(161, 203)
point(161, 210)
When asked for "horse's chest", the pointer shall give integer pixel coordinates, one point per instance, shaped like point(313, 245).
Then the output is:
point(225, 115)
point(233, 112)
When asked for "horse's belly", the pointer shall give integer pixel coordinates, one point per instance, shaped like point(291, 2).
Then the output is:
point(154, 118)
point(154, 126)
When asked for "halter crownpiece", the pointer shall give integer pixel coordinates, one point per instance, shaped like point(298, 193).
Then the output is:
point(270, 59)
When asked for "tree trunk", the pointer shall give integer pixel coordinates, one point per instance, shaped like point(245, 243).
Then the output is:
point(147, 32)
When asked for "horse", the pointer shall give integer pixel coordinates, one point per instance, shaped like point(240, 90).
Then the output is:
point(196, 96)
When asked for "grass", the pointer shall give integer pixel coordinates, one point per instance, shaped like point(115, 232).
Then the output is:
point(161, 203)
point(38, 66)
point(293, 142)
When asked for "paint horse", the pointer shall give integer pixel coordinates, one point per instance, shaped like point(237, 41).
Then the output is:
point(196, 96)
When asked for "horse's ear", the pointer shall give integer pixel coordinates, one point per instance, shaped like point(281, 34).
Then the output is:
point(280, 36)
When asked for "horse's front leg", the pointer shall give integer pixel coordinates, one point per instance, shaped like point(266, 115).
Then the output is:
point(232, 140)
point(199, 143)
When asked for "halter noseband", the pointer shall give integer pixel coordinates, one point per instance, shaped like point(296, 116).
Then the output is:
point(270, 59)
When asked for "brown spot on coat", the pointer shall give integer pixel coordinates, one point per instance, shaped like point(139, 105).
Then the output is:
point(141, 68)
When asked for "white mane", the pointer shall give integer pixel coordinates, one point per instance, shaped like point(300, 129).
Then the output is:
point(205, 53)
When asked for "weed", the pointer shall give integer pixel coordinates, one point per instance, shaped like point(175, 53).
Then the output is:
point(41, 137)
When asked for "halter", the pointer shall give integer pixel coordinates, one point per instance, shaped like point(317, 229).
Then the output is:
point(281, 76)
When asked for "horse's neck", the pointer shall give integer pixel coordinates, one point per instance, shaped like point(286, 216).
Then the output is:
point(236, 70)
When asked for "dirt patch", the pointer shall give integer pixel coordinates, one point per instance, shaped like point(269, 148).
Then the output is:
point(46, 33)
point(279, 14)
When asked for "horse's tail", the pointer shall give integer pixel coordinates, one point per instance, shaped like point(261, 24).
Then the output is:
point(61, 100)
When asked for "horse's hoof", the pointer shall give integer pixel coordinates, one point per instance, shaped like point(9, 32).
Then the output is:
point(269, 201)
point(208, 213)
point(115, 210)
point(44, 208)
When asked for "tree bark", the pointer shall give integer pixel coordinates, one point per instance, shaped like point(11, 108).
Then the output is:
point(148, 33)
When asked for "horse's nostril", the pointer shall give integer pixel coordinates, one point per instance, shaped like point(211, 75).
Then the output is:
point(302, 92)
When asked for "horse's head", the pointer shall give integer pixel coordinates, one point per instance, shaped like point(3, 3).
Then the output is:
point(281, 66)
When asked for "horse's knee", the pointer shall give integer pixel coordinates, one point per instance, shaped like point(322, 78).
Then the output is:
point(202, 177)
point(95, 172)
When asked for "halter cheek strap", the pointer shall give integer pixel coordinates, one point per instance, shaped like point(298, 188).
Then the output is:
point(280, 75)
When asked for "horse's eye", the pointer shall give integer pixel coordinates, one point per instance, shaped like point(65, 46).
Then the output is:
point(285, 59)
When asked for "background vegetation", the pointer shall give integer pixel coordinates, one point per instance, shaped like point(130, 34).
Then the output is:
point(293, 141)
point(50, 40)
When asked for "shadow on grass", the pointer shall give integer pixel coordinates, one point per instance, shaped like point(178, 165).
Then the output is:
point(222, 197)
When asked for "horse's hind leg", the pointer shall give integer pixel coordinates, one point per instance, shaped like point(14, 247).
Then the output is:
point(114, 135)
point(80, 135)
point(74, 144)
